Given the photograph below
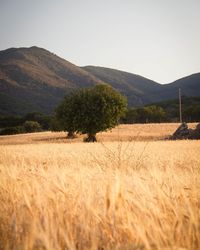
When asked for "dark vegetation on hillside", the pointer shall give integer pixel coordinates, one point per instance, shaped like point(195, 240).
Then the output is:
point(34, 79)
point(190, 109)
point(167, 111)
point(31, 122)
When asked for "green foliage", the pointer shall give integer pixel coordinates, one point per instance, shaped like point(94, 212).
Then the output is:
point(100, 109)
point(130, 116)
point(146, 114)
point(190, 109)
point(65, 113)
point(90, 111)
point(32, 126)
point(154, 113)
point(43, 120)
point(55, 125)
point(192, 113)
point(11, 124)
point(166, 111)
point(12, 130)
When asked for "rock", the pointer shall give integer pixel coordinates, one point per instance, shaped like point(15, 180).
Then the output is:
point(195, 134)
point(198, 127)
point(183, 132)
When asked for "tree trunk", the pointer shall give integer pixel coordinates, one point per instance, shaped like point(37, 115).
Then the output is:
point(91, 138)
point(70, 135)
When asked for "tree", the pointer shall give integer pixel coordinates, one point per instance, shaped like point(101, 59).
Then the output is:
point(90, 111)
point(146, 114)
point(55, 125)
point(131, 116)
point(154, 113)
point(192, 113)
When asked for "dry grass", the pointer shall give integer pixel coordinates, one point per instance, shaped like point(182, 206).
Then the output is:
point(109, 195)
point(139, 132)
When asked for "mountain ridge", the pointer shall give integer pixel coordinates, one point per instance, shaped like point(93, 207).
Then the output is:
point(39, 78)
point(139, 90)
point(151, 90)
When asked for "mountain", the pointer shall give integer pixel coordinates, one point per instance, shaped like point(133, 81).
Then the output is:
point(139, 90)
point(34, 79)
point(190, 86)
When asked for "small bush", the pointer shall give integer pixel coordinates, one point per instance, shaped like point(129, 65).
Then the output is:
point(32, 126)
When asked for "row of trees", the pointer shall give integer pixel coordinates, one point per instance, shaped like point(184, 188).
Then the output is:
point(192, 113)
point(27, 127)
point(166, 111)
point(190, 109)
point(144, 115)
point(31, 122)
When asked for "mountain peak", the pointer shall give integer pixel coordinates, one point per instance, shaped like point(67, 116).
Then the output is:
point(38, 79)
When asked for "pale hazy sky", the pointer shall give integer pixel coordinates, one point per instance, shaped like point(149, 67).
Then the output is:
point(158, 39)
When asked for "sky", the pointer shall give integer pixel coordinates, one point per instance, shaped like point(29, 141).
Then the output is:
point(158, 39)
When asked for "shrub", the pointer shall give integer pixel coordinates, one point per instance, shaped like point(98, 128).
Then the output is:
point(12, 130)
point(32, 126)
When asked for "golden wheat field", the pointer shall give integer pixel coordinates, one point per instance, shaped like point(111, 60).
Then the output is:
point(133, 190)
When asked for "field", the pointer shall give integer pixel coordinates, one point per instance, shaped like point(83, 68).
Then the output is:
point(133, 190)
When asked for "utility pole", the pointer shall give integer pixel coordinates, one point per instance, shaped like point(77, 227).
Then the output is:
point(180, 108)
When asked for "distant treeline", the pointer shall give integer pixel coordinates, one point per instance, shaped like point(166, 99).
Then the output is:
point(167, 111)
point(32, 122)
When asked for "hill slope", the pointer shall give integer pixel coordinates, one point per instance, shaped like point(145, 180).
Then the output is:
point(35, 79)
point(190, 86)
point(141, 91)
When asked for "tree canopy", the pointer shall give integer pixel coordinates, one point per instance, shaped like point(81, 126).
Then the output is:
point(65, 119)
point(144, 115)
point(92, 110)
